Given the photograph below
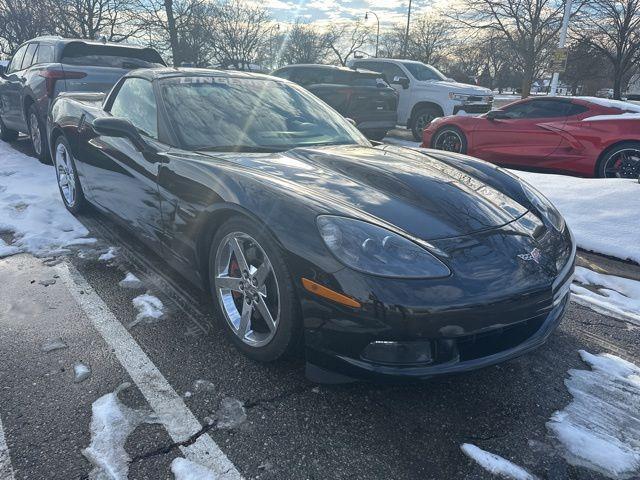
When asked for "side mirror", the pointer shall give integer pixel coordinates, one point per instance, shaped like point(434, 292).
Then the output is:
point(122, 128)
point(497, 115)
point(404, 81)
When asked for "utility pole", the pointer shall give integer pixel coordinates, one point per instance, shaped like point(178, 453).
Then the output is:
point(366, 17)
point(561, 44)
point(406, 35)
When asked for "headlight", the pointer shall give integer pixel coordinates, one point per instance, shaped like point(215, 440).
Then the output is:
point(375, 250)
point(543, 206)
point(458, 96)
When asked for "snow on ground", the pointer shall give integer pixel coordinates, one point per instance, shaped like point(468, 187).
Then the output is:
point(184, 469)
point(600, 428)
point(53, 344)
point(130, 281)
point(111, 423)
point(495, 464)
point(81, 372)
point(149, 308)
point(108, 255)
point(231, 414)
point(602, 213)
point(32, 210)
point(614, 296)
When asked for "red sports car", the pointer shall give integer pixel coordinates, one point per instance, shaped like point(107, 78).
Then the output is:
point(586, 136)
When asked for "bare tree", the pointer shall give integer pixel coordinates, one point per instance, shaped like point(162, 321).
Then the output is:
point(93, 19)
point(347, 38)
point(529, 27)
point(21, 20)
point(429, 37)
point(303, 43)
point(612, 28)
point(241, 34)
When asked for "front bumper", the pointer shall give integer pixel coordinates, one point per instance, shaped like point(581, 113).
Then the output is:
point(472, 108)
point(454, 325)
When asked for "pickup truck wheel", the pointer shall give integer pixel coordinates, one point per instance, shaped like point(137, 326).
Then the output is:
point(422, 119)
point(450, 139)
point(37, 133)
point(67, 176)
point(6, 134)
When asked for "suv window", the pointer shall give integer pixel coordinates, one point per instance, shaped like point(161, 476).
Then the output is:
point(110, 56)
point(16, 61)
point(389, 70)
point(45, 54)
point(29, 55)
point(540, 109)
point(136, 102)
point(284, 73)
point(312, 76)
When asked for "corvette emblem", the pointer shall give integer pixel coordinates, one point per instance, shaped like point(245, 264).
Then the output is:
point(534, 256)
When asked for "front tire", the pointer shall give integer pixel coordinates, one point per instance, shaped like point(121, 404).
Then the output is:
point(253, 291)
point(421, 120)
point(6, 134)
point(376, 135)
point(67, 176)
point(622, 161)
point(37, 134)
point(450, 139)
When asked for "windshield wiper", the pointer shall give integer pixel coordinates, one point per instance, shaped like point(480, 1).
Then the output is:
point(241, 148)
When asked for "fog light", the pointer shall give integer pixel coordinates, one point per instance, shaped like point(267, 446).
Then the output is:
point(398, 352)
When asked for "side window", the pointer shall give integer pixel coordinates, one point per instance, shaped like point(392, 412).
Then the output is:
point(29, 55)
point(45, 54)
point(286, 73)
point(136, 102)
point(390, 71)
point(307, 76)
point(16, 61)
point(539, 109)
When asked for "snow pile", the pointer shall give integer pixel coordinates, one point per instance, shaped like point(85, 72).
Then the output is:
point(81, 372)
point(32, 210)
point(108, 255)
point(149, 308)
point(600, 428)
point(495, 464)
point(621, 116)
point(111, 423)
point(610, 295)
point(231, 414)
point(602, 213)
point(184, 469)
point(130, 281)
point(53, 344)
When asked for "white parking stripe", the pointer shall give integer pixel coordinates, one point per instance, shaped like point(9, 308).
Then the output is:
point(6, 471)
point(167, 404)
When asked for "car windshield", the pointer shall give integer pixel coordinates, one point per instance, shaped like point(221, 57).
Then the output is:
point(422, 72)
point(253, 115)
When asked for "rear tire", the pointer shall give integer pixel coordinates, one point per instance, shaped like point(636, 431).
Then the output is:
point(421, 120)
point(621, 161)
point(450, 139)
point(67, 177)
point(37, 134)
point(375, 135)
point(234, 289)
point(6, 134)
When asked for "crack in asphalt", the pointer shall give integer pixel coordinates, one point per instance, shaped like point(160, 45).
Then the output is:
point(211, 427)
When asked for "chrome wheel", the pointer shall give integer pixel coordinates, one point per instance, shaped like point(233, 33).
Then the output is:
point(34, 132)
point(623, 164)
point(66, 174)
point(247, 289)
point(449, 140)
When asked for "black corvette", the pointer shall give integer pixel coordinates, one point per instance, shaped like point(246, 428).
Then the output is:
point(384, 262)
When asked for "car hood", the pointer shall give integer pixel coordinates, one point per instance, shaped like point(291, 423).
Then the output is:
point(463, 88)
point(412, 191)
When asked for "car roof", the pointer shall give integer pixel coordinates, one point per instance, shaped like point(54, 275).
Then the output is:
point(159, 73)
point(67, 41)
point(327, 67)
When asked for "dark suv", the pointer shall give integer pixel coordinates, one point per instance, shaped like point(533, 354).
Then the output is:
point(361, 95)
point(46, 66)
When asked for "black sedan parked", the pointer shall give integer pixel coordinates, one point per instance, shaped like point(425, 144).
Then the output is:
point(383, 262)
point(358, 94)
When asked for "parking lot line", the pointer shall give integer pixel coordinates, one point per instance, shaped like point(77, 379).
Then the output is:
point(6, 470)
point(178, 420)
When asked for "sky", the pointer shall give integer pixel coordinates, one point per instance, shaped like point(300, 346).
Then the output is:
point(327, 11)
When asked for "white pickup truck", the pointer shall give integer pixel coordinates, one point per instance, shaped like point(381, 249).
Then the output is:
point(425, 93)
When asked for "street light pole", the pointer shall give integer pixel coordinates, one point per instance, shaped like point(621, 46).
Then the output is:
point(563, 40)
point(406, 35)
point(366, 17)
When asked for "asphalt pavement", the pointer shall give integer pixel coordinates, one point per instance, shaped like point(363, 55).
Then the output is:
point(181, 369)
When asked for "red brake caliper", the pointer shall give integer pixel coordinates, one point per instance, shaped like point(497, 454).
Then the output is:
point(234, 271)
